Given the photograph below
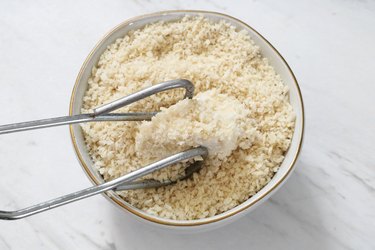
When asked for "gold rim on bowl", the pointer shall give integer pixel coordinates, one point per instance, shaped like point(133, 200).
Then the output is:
point(144, 215)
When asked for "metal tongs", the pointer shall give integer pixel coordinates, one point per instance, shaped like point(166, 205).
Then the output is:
point(127, 181)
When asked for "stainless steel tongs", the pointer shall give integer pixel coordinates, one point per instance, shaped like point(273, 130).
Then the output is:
point(127, 181)
point(102, 113)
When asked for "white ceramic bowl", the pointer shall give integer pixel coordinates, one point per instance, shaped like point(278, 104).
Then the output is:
point(268, 51)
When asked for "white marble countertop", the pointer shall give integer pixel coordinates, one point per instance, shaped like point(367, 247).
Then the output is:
point(328, 203)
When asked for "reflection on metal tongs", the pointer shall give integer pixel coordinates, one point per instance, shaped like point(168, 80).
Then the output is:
point(127, 181)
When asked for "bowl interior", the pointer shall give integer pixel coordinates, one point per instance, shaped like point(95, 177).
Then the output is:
point(267, 50)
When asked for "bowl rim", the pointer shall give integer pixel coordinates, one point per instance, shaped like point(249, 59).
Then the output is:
point(144, 215)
